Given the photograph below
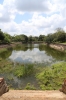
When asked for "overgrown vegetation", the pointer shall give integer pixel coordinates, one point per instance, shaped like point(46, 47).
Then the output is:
point(24, 70)
point(30, 87)
point(48, 78)
point(51, 78)
point(17, 70)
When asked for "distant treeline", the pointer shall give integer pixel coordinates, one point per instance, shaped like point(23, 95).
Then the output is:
point(57, 37)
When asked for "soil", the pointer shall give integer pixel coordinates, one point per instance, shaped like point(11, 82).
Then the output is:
point(9, 45)
point(33, 95)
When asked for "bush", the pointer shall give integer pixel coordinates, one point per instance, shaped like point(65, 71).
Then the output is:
point(24, 70)
point(30, 87)
point(52, 77)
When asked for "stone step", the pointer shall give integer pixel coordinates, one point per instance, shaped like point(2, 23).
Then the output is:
point(33, 95)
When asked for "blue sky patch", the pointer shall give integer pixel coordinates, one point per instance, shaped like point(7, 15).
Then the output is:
point(25, 17)
point(1, 1)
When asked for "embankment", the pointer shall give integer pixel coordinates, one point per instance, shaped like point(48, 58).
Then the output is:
point(60, 47)
point(9, 45)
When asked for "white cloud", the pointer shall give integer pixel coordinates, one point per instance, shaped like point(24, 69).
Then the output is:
point(47, 15)
point(30, 56)
point(32, 5)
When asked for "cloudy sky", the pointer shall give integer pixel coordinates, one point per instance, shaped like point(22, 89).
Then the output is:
point(32, 17)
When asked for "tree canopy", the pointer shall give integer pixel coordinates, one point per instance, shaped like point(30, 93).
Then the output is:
point(58, 36)
point(1, 35)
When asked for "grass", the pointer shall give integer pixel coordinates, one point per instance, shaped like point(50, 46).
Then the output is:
point(51, 78)
point(29, 87)
point(23, 70)
point(20, 70)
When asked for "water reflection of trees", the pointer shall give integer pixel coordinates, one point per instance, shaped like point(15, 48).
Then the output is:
point(6, 54)
point(21, 47)
point(24, 47)
point(49, 51)
point(54, 53)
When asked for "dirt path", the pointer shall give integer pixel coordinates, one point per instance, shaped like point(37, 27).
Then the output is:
point(33, 95)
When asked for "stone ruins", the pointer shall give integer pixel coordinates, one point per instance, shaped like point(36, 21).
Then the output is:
point(3, 86)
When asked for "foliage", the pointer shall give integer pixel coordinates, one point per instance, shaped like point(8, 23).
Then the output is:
point(30, 39)
point(24, 38)
point(20, 38)
point(24, 70)
point(49, 38)
point(1, 36)
point(20, 70)
point(52, 77)
point(58, 36)
point(30, 87)
point(7, 38)
point(48, 78)
point(5, 52)
point(41, 38)
point(61, 35)
point(35, 39)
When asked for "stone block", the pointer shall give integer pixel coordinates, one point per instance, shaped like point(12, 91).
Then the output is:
point(3, 86)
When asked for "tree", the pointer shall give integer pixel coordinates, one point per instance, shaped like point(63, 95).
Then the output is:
point(49, 38)
point(20, 38)
point(30, 39)
point(7, 38)
point(60, 35)
point(24, 38)
point(41, 37)
point(1, 35)
point(36, 38)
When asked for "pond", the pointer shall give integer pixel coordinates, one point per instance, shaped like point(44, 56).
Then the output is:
point(36, 54)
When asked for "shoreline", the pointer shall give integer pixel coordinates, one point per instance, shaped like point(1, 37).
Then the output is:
point(56, 46)
point(59, 47)
point(9, 45)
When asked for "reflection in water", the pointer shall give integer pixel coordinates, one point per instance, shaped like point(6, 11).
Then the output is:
point(6, 54)
point(59, 56)
point(33, 53)
point(30, 56)
point(36, 54)
point(29, 53)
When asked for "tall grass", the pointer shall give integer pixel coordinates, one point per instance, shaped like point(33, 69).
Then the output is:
point(24, 70)
point(49, 78)
point(52, 77)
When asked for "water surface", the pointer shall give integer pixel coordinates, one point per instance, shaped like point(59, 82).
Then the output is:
point(37, 54)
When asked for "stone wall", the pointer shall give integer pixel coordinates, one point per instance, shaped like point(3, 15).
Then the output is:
point(59, 47)
point(3, 86)
point(63, 89)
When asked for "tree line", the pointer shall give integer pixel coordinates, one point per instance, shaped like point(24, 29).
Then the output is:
point(59, 36)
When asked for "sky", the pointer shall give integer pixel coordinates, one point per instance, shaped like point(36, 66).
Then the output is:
point(32, 17)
